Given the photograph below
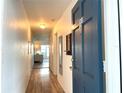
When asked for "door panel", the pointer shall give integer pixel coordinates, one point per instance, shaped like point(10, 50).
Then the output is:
point(76, 12)
point(87, 47)
point(77, 35)
point(77, 49)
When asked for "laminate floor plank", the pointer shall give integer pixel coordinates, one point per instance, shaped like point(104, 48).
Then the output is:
point(43, 81)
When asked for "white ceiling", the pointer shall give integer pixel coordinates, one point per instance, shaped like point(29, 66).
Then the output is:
point(45, 11)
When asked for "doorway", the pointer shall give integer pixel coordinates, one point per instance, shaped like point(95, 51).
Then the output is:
point(41, 56)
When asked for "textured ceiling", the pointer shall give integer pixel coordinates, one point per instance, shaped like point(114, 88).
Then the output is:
point(45, 11)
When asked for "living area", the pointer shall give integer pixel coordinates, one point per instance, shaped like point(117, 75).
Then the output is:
point(41, 56)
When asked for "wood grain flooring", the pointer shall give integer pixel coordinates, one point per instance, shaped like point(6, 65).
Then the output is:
point(43, 81)
point(40, 65)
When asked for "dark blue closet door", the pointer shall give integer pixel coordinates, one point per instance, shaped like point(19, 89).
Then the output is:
point(87, 47)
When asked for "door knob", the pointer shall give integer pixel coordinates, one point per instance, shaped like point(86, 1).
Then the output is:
point(70, 67)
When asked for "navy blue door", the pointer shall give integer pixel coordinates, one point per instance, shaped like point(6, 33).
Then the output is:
point(87, 47)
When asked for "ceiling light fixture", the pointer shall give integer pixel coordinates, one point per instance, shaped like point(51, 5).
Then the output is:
point(42, 26)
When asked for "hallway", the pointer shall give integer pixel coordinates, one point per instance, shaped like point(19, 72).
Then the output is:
point(61, 46)
point(43, 81)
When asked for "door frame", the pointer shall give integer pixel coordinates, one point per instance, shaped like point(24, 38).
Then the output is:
point(112, 47)
point(1, 30)
point(56, 52)
point(121, 38)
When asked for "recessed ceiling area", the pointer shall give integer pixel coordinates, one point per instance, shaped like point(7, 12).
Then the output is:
point(45, 12)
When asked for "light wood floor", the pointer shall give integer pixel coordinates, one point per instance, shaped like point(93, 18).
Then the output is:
point(43, 81)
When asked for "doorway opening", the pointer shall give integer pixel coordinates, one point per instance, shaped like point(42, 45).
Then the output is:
point(41, 57)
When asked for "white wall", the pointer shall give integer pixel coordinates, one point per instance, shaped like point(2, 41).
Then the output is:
point(112, 47)
point(1, 15)
point(53, 62)
point(51, 54)
point(63, 27)
point(42, 36)
point(16, 63)
point(122, 39)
